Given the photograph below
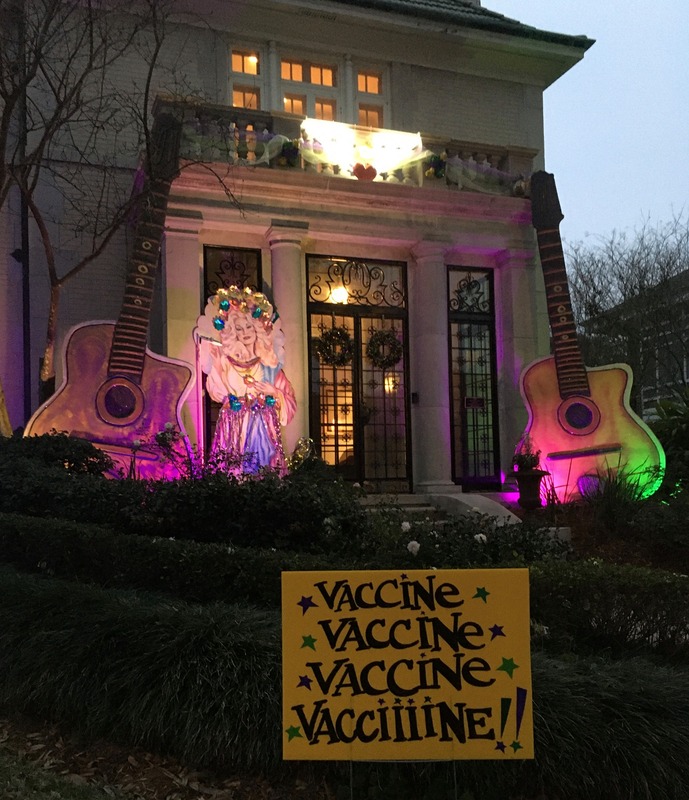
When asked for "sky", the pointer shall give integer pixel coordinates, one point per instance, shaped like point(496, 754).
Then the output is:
point(616, 124)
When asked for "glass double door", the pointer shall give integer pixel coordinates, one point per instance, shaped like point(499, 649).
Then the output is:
point(358, 395)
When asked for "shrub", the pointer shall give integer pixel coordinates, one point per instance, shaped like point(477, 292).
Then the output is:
point(591, 607)
point(200, 682)
point(203, 684)
point(55, 449)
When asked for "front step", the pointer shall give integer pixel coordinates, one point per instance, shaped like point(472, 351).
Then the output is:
point(438, 504)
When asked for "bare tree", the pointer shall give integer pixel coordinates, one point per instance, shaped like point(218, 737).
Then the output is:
point(630, 295)
point(76, 85)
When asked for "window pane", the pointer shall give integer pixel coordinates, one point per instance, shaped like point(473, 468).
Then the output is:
point(246, 97)
point(322, 76)
point(295, 104)
point(245, 62)
point(369, 82)
point(291, 71)
point(370, 116)
point(325, 109)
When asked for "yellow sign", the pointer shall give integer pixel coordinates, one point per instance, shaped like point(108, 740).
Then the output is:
point(423, 664)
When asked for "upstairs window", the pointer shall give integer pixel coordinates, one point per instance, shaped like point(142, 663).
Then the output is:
point(295, 104)
point(325, 109)
point(370, 116)
point(322, 76)
point(291, 71)
point(246, 97)
point(245, 62)
point(369, 86)
point(369, 83)
point(316, 94)
point(245, 79)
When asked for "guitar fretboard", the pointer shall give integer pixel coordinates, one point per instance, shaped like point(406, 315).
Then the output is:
point(128, 351)
point(571, 373)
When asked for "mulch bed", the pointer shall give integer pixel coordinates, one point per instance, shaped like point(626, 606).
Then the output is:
point(139, 774)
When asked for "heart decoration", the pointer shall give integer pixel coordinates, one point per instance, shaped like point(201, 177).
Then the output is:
point(363, 173)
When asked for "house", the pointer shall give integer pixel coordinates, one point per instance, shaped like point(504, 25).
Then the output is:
point(373, 156)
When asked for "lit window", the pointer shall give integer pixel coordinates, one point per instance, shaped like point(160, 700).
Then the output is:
point(291, 71)
point(322, 76)
point(370, 116)
point(325, 109)
point(369, 82)
point(295, 104)
point(246, 97)
point(246, 62)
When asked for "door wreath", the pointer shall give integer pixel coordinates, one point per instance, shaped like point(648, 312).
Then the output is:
point(335, 347)
point(384, 349)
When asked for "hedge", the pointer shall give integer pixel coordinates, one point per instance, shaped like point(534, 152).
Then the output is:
point(585, 606)
point(203, 684)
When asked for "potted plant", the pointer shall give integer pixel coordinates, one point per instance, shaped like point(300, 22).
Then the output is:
point(527, 471)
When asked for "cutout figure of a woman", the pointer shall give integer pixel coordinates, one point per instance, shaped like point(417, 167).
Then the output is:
point(242, 351)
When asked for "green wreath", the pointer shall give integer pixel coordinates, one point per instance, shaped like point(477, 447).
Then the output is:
point(384, 349)
point(335, 347)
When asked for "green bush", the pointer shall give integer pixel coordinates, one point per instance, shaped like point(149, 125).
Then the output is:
point(203, 684)
point(309, 511)
point(591, 607)
point(202, 572)
point(200, 682)
point(77, 456)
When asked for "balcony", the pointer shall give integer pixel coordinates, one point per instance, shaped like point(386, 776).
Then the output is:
point(263, 140)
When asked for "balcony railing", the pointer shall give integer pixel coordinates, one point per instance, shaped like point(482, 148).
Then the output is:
point(245, 137)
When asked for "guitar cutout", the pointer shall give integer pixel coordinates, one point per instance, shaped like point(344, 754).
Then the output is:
point(115, 391)
point(580, 417)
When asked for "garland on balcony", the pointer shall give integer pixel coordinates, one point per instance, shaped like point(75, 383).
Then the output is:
point(335, 347)
point(384, 349)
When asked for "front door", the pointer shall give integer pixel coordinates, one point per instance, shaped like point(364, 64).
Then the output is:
point(358, 373)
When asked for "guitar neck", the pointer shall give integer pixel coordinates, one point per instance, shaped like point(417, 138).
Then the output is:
point(128, 350)
point(572, 377)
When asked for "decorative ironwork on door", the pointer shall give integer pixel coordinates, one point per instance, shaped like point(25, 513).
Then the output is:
point(358, 375)
point(475, 440)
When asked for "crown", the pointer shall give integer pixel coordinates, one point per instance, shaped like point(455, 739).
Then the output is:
point(246, 300)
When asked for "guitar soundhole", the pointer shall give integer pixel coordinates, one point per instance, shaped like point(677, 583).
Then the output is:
point(120, 401)
point(579, 416)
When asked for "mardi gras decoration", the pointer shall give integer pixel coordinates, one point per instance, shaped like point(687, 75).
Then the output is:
point(242, 351)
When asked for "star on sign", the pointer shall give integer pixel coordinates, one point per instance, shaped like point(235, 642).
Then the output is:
point(501, 747)
point(306, 603)
point(309, 641)
point(508, 666)
point(516, 746)
point(496, 630)
point(293, 732)
point(305, 681)
point(482, 593)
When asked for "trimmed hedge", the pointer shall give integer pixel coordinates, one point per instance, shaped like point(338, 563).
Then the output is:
point(301, 512)
point(592, 605)
point(203, 684)
point(585, 606)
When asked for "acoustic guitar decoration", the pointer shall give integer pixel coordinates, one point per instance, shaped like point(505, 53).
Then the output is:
point(116, 392)
point(580, 418)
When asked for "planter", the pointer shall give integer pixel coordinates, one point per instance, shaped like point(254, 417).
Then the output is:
point(529, 483)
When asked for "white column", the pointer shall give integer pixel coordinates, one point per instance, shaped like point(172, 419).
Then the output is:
point(289, 293)
point(349, 94)
point(522, 335)
point(272, 84)
point(182, 294)
point(430, 381)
